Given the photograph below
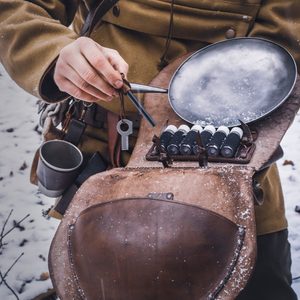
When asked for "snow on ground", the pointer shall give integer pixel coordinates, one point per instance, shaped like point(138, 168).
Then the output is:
point(290, 179)
point(19, 140)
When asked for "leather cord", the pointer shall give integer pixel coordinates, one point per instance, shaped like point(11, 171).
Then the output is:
point(95, 14)
point(163, 60)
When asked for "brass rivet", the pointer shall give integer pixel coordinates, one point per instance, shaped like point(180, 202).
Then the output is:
point(230, 33)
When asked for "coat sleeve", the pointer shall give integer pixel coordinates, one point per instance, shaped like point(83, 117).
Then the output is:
point(279, 21)
point(32, 33)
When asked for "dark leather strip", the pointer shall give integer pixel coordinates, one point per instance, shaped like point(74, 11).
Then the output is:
point(95, 15)
point(96, 116)
point(75, 131)
point(96, 164)
point(113, 136)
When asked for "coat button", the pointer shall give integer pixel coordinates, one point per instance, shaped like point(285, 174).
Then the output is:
point(116, 10)
point(230, 33)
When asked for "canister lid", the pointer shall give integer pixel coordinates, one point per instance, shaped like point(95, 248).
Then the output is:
point(197, 128)
point(210, 128)
point(171, 128)
point(238, 131)
point(184, 128)
point(224, 129)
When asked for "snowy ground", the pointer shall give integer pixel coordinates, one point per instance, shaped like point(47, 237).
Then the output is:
point(19, 140)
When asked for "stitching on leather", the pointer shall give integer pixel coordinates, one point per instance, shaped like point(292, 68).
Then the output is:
point(176, 202)
point(213, 295)
point(237, 251)
point(79, 290)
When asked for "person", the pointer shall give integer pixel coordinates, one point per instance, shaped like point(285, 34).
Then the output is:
point(137, 38)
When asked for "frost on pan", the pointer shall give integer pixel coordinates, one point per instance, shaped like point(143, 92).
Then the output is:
point(223, 86)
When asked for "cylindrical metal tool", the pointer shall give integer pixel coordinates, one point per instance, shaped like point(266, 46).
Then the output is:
point(214, 145)
point(174, 145)
point(207, 133)
point(166, 136)
point(232, 142)
point(190, 140)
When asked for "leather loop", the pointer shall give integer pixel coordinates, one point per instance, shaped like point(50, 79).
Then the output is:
point(96, 164)
point(75, 131)
point(113, 139)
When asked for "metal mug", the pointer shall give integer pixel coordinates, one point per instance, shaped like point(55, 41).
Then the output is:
point(58, 167)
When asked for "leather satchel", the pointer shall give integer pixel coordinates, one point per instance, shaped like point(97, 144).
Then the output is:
point(150, 232)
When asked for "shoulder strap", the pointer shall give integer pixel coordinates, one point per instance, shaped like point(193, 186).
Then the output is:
point(95, 15)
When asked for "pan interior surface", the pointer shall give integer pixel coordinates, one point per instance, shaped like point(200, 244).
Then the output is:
point(239, 79)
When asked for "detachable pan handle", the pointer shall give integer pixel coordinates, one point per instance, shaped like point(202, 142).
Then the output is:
point(141, 88)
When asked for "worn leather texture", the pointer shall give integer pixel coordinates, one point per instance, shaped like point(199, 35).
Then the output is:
point(222, 189)
point(152, 249)
point(228, 194)
point(270, 215)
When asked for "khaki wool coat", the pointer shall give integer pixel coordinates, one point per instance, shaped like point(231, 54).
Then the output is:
point(32, 33)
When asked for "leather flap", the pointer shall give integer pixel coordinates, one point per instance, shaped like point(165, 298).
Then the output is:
point(152, 249)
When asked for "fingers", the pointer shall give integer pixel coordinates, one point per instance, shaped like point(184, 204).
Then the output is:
point(86, 69)
point(102, 65)
point(85, 84)
point(76, 92)
point(89, 77)
point(116, 60)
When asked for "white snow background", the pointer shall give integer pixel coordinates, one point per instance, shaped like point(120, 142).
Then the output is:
point(18, 142)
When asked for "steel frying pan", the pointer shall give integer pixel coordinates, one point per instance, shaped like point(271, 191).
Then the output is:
point(238, 79)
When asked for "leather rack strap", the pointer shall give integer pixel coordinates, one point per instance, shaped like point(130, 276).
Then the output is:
point(114, 148)
point(95, 14)
point(75, 131)
point(96, 164)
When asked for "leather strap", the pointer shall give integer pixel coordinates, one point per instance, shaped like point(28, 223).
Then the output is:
point(95, 15)
point(75, 131)
point(96, 164)
point(113, 139)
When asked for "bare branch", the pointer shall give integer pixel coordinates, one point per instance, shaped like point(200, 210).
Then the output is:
point(2, 235)
point(4, 225)
point(14, 227)
point(3, 228)
point(6, 273)
point(7, 285)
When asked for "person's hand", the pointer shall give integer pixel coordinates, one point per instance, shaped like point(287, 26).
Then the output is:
point(88, 71)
